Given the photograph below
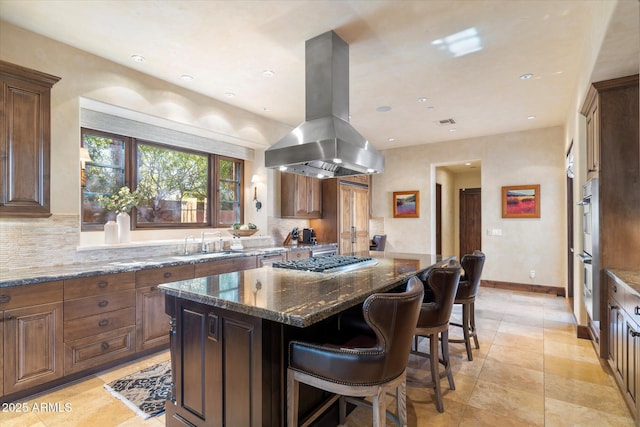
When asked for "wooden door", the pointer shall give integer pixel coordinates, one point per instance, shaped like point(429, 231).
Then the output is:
point(33, 346)
point(345, 214)
point(360, 220)
point(470, 220)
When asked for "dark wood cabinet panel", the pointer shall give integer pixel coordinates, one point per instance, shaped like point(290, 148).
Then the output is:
point(221, 355)
point(300, 196)
point(25, 141)
point(32, 346)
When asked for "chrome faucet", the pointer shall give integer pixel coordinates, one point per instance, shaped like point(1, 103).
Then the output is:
point(186, 240)
point(205, 246)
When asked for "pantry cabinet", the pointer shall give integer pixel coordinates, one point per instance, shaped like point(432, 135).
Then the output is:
point(25, 97)
point(30, 336)
point(300, 196)
point(345, 217)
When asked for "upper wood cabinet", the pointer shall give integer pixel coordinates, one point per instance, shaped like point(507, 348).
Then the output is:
point(591, 111)
point(25, 97)
point(300, 196)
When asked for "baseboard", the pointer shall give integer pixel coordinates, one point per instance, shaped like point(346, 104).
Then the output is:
point(523, 287)
point(583, 332)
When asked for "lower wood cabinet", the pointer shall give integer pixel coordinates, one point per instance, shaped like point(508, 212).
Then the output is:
point(220, 355)
point(32, 346)
point(95, 350)
point(30, 336)
point(624, 340)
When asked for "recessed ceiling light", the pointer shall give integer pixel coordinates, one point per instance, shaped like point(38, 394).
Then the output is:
point(422, 100)
point(391, 139)
point(531, 117)
point(268, 73)
point(526, 76)
point(229, 94)
point(468, 164)
point(452, 130)
point(186, 77)
point(383, 109)
point(138, 58)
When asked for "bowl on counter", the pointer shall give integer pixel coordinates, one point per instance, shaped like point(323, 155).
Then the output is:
point(243, 233)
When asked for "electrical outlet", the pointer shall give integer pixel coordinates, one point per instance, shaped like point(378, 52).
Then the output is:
point(532, 274)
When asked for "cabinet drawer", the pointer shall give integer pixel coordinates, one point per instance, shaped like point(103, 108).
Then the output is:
point(225, 266)
point(163, 275)
point(27, 295)
point(616, 290)
point(300, 254)
point(93, 325)
point(98, 285)
point(93, 351)
point(83, 307)
point(632, 305)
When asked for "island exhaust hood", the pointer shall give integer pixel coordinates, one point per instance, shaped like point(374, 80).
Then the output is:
point(325, 145)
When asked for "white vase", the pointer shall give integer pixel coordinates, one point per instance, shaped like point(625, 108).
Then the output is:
point(124, 227)
point(111, 232)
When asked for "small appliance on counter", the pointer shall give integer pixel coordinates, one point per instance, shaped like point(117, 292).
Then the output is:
point(309, 236)
point(292, 238)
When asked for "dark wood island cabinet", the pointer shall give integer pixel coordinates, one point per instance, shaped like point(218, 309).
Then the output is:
point(230, 334)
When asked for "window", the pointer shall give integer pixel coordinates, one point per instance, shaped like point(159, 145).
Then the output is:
point(177, 187)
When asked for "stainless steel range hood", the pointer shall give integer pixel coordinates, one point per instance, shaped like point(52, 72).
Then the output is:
point(325, 145)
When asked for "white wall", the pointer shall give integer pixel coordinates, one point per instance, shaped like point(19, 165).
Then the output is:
point(532, 157)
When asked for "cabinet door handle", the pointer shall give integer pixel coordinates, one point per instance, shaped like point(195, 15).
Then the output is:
point(637, 310)
point(615, 288)
point(5, 298)
point(103, 303)
point(105, 346)
point(103, 284)
point(103, 322)
point(9, 317)
point(613, 307)
point(167, 275)
point(634, 334)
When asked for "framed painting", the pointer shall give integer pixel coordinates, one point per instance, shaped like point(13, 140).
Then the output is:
point(406, 204)
point(521, 201)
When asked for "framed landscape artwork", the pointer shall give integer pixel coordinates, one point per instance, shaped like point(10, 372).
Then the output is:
point(406, 204)
point(521, 201)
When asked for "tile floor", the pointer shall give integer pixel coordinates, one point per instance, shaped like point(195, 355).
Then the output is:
point(530, 370)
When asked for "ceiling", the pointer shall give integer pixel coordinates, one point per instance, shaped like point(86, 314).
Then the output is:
point(398, 54)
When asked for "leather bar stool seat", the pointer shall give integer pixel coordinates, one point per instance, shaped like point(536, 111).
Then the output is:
point(368, 363)
point(433, 323)
point(472, 264)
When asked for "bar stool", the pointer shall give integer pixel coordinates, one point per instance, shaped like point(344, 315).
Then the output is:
point(466, 295)
point(369, 364)
point(433, 323)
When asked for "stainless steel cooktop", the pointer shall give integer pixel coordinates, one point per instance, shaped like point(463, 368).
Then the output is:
point(327, 264)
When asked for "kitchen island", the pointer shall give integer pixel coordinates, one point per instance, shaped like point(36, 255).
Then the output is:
point(230, 334)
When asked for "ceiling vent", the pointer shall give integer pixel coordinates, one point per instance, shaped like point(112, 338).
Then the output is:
point(447, 122)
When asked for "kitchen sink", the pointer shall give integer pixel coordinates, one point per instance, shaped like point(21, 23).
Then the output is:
point(202, 255)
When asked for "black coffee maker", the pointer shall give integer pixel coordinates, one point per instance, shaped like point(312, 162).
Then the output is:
point(308, 236)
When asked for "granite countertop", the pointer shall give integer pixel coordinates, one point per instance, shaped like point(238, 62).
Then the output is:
point(299, 298)
point(26, 276)
point(630, 277)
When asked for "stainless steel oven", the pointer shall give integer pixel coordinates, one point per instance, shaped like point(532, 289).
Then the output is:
point(590, 248)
